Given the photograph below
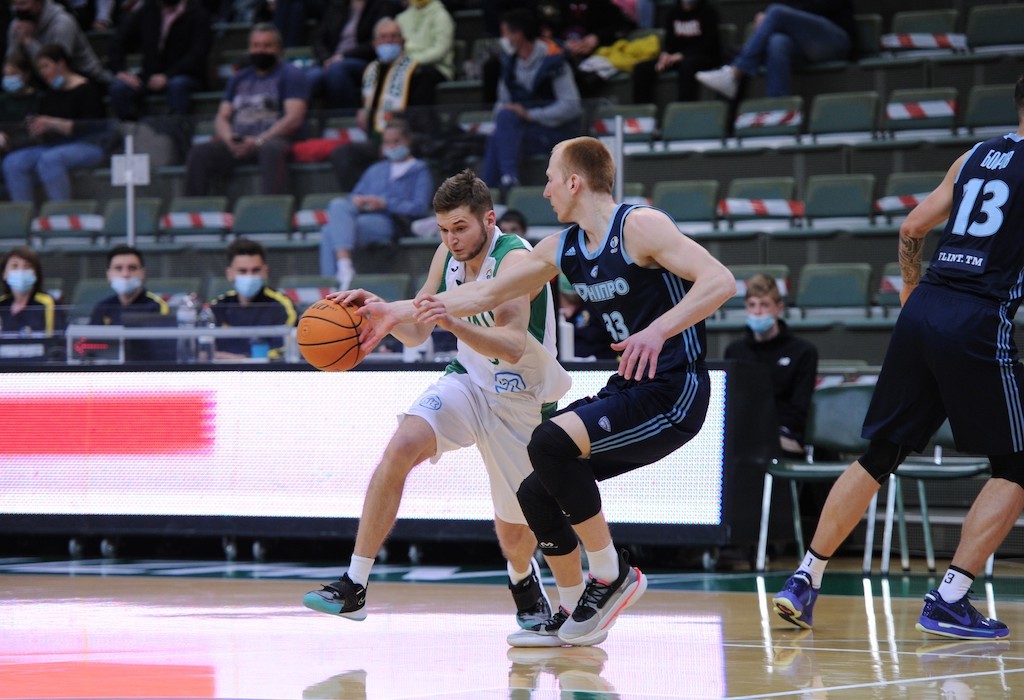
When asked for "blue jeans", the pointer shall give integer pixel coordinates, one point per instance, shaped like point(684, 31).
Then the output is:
point(513, 138)
point(786, 35)
point(124, 100)
point(348, 228)
point(341, 82)
point(51, 165)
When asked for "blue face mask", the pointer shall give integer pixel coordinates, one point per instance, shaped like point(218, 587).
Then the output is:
point(20, 281)
point(13, 83)
point(396, 153)
point(123, 286)
point(388, 52)
point(58, 82)
point(248, 286)
point(760, 324)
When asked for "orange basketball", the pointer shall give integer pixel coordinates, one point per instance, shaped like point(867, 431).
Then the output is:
point(328, 336)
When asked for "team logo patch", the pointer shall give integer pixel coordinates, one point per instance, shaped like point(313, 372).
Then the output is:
point(605, 423)
point(614, 242)
point(593, 273)
point(509, 382)
point(433, 402)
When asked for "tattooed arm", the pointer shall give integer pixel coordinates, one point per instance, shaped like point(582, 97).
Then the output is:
point(926, 216)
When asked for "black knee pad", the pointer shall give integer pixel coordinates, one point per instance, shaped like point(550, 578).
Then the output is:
point(555, 459)
point(1009, 467)
point(554, 533)
point(883, 458)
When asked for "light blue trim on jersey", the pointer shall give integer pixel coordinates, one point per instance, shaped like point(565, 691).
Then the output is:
point(690, 337)
point(561, 247)
point(1018, 289)
point(655, 425)
point(581, 239)
point(1013, 137)
point(969, 154)
point(625, 255)
point(1011, 393)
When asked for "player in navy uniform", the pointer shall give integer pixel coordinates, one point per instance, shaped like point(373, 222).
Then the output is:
point(653, 287)
point(952, 354)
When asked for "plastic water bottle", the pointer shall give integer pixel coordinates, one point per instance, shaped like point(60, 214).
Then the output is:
point(187, 315)
point(207, 344)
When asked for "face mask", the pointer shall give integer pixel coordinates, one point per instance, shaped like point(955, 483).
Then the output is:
point(25, 15)
point(388, 52)
point(248, 286)
point(506, 45)
point(396, 153)
point(58, 82)
point(263, 61)
point(760, 324)
point(20, 281)
point(124, 286)
point(13, 83)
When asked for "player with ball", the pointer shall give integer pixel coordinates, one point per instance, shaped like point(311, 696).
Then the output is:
point(504, 379)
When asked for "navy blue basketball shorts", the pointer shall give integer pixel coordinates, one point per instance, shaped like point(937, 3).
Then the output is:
point(633, 424)
point(950, 354)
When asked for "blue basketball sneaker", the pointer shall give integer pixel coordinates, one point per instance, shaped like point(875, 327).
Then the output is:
point(959, 620)
point(344, 597)
point(795, 602)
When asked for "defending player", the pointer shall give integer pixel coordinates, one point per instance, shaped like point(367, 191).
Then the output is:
point(504, 377)
point(653, 287)
point(951, 354)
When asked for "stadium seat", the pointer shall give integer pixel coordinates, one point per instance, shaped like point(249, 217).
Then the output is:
point(780, 273)
point(694, 124)
point(770, 116)
point(305, 290)
point(904, 191)
point(911, 110)
point(762, 199)
point(835, 288)
point(941, 21)
point(172, 289)
point(387, 285)
point(476, 121)
point(531, 202)
point(15, 223)
point(639, 122)
point(71, 218)
point(312, 213)
point(851, 116)
point(996, 28)
point(215, 222)
point(115, 218)
point(688, 201)
point(86, 294)
point(840, 196)
point(990, 109)
point(259, 214)
point(344, 128)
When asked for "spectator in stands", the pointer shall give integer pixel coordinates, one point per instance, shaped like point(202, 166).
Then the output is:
point(392, 86)
point(24, 303)
point(68, 131)
point(343, 46)
point(263, 110)
point(388, 197)
point(691, 44)
point(788, 32)
point(20, 91)
point(40, 22)
point(290, 18)
point(429, 33)
point(538, 103)
point(174, 39)
point(250, 303)
point(126, 272)
point(512, 221)
point(793, 361)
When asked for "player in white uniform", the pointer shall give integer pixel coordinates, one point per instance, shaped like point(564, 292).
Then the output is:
point(504, 377)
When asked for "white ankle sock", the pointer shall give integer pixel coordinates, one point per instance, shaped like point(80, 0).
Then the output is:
point(359, 569)
point(955, 584)
point(517, 576)
point(345, 273)
point(569, 596)
point(604, 563)
point(815, 566)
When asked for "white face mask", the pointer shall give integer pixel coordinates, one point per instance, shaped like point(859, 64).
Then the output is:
point(123, 286)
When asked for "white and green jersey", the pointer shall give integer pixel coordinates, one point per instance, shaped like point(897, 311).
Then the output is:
point(537, 375)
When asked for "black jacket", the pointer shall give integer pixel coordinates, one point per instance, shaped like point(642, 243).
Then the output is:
point(185, 51)
point(328, 31)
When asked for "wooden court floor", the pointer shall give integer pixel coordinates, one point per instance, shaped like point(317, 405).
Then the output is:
point(146, 637)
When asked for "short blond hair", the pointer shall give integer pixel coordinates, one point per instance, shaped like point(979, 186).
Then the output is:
point(591, 159)
point(762, 285)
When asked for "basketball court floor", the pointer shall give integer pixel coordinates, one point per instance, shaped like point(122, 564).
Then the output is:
point(174, 629)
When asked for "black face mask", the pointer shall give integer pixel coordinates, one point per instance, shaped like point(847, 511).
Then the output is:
point(26, 15)
point(263, 61)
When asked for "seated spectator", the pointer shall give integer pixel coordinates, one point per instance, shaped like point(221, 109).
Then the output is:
point(68, 131)
point(583, 27)
point(126, 272)
point(512, 221)
point(37, 23)
point(691, 44)
point(24, 303)
point(250, 303)
point(391, 86)
point(174, 38)
point(343, 46)
point(788, 32)
point(793, 361)
point(20, 91)
point(538, 103)
point(389, 195)
point(263, 111)
point(429, 33)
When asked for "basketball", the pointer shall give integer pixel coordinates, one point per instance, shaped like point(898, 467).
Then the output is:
point(328, 336)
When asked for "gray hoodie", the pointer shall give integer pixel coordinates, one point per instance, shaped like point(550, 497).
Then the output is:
point(57, 26)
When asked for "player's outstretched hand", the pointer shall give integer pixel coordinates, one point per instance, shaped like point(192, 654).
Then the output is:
point(381, 321)
point(356, 297)
point(639, 354)
point(429, 309)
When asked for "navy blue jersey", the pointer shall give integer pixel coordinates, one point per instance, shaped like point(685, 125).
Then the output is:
point(981, 251)
point(625, 296)
point(107, 312)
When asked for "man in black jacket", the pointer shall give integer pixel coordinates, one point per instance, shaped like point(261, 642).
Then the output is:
point(174, 39)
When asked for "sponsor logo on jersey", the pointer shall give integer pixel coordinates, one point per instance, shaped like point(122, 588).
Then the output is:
point(997, 160)
point(570, 252)
point(605, 424)
point(433, 402)
point(509, 382)
point(602, 291)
